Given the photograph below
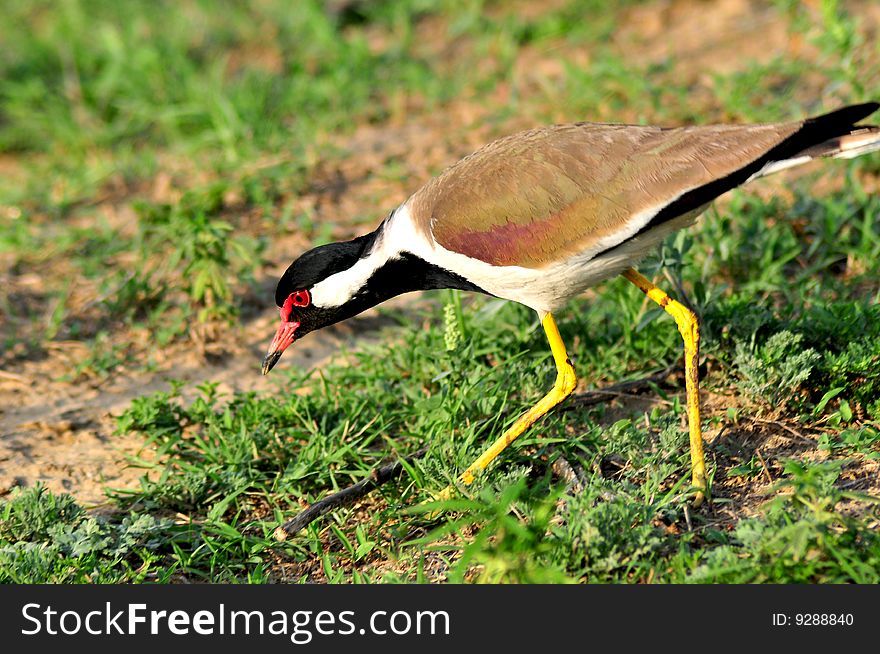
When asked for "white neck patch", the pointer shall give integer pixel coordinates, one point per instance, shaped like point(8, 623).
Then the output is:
point(339, 288)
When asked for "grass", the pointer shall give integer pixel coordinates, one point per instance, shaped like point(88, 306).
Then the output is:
point(159, 157)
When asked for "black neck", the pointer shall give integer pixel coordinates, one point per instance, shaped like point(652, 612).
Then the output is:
point(403, 274)
point(407, 272)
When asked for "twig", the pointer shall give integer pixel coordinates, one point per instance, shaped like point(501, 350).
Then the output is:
point(796, 433)
point(621, 388)
point(113, 291)
point(346, 496)
point(764, 465)
point(564, 470)
point(14, 377)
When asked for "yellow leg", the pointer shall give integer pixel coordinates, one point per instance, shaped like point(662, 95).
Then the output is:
point(690, 332)
point(565, 383)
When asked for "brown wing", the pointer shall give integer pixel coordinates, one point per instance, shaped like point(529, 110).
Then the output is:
point(539, 196)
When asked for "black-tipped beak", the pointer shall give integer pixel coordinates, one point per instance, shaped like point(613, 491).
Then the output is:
point(285, 335)
point(269, 361)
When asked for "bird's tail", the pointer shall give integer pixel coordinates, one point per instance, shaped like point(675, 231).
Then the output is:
point(861, 140)
point(832, 135)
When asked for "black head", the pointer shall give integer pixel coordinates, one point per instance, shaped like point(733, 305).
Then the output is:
point(318, 264)
point(308, 304)
point(293, 295)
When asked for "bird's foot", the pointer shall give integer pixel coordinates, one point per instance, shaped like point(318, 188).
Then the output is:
point(442, 496)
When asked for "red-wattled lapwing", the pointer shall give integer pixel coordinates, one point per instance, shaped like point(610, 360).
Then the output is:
point(540, 216)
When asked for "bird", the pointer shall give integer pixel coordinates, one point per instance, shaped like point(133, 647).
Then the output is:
point(540, 216)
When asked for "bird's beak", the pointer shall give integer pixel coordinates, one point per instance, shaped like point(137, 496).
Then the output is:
point(283, 338)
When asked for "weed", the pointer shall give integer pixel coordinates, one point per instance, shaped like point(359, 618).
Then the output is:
point(777, 370)
point(49, 538)
point(803, 537)
point(201, 253)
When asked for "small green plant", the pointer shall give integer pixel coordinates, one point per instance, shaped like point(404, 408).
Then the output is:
point(751, 468)
point(452, 333)
point(48, 538)
point(863, 440)
point(510, 547)
point(773, 372)
point(200, 253)
point(804, 537)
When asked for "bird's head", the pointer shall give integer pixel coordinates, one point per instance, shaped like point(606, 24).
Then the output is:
point(314, 292)
point(336, 281)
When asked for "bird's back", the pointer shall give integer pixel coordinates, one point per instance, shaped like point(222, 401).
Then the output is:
point(538, 197)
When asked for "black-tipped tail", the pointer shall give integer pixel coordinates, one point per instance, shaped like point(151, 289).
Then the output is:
point(842, 119)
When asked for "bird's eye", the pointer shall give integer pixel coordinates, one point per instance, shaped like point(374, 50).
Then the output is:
point(295, 299)
point(301, 298)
